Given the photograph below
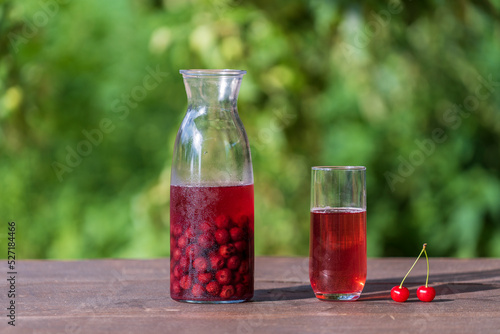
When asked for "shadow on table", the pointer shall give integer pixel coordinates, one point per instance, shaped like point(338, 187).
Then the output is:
point(380, 289)
point(451, 284)
point(288, 293)
point(375, 292)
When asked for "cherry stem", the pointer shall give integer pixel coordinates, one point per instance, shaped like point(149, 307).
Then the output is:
point(414, 263)
point(426, 259)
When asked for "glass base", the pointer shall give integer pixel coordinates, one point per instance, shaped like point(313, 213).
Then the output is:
point(352, 296)
point(212, 301)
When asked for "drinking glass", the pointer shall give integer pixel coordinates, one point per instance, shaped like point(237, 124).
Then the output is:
point(337, 247)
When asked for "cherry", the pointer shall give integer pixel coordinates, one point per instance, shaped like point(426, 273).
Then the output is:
point(176, 254)
point(222, 221)
point(233, 262)
point(224, 276)
point(222, 236)
point(206, 227)
point(426, 293)
point(243, 267)
point(190, 233)
point(197, 290)
point(185, 282)
point(204, 278)
point(182, 242)
point(200, 264)
point(192, 251)
point(175, 288)
point(213, 288)
point(206, 240)
point(177, 231)
point(227, 250)
point(227, 291)
point(236, 233)
point(400, 293)
point(184, 264)
point(178, 271)
point(216, 261)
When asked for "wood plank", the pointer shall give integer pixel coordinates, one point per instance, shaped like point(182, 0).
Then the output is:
point(131, 296)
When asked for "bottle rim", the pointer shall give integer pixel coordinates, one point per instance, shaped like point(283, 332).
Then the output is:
point(212, 73)
point(360, 168)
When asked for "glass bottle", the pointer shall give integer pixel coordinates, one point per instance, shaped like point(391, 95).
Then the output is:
point(211, 195)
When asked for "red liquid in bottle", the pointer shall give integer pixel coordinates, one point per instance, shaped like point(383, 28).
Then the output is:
point(211, 244)
point(337, 255)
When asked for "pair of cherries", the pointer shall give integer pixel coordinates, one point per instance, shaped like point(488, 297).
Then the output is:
point(425, 293)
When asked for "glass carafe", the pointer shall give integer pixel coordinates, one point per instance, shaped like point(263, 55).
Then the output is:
point(211, 195)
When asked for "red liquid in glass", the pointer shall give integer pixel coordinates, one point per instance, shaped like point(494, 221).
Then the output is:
point(337, 255)
point(211, 244)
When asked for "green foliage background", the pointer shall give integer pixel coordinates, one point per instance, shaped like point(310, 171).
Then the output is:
point(328, 83)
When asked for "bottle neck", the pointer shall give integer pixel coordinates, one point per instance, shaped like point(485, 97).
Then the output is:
point(211, 92)
point(211, 147)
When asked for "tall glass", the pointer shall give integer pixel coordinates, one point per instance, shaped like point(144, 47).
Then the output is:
point(211, 195)
point(337, 253)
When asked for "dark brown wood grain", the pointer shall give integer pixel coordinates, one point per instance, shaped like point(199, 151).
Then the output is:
point(132, 296)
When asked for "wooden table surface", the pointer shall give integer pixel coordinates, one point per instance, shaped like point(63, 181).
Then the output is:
point(132, 296)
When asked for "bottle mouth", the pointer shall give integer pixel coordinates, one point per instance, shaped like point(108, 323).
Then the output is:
point(196, 73)
point(326, 168)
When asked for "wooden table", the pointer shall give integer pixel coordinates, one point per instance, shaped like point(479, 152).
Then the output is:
point(131, 296)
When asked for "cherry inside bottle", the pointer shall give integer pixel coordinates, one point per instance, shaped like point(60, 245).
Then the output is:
point(206, 265)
